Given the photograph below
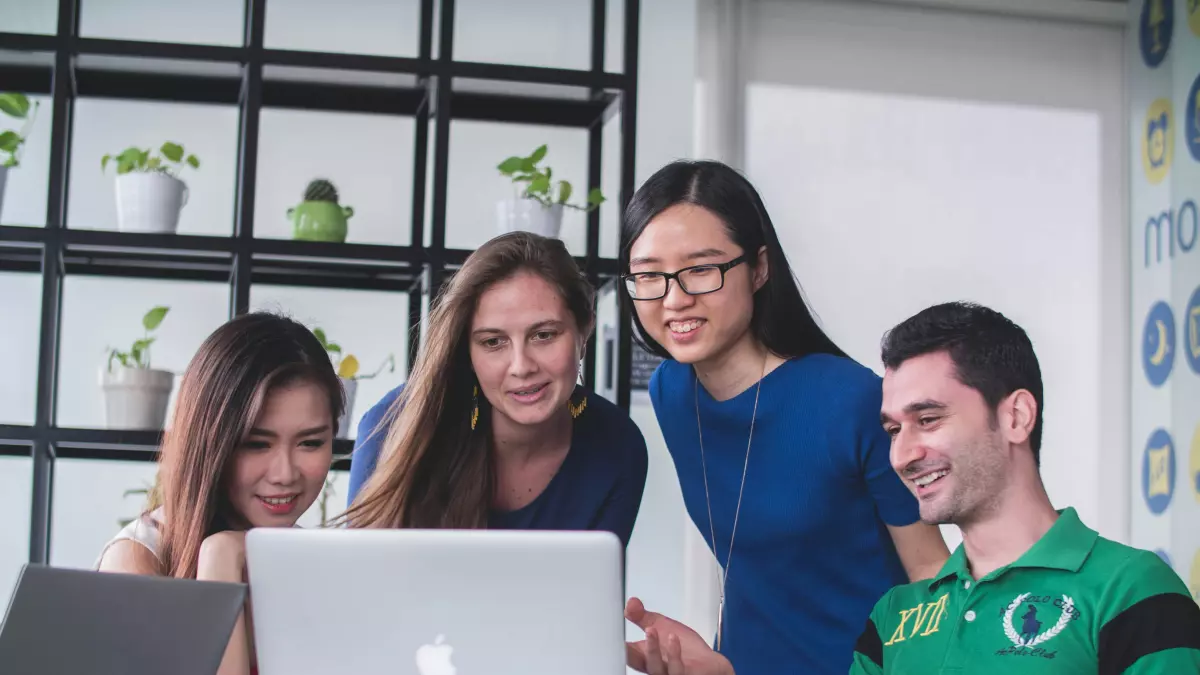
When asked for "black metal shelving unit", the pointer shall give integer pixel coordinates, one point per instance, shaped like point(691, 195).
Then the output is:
point(431, 88)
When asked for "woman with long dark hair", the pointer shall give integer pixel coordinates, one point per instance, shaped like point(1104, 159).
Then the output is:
point(774, 432)
point(249, 445)
point(491, 430)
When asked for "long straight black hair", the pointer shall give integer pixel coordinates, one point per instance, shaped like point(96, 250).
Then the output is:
point(782, 321)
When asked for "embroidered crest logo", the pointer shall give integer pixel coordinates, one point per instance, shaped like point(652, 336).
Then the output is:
point(1031, 634)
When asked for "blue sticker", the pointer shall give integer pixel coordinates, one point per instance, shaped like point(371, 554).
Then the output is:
point(1191, 330)
point(1158, 471)
point(1191, 119)
point(1154, 30)
point(1158, 343)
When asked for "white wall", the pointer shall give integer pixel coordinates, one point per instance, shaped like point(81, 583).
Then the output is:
point(369, 158)
point(910, 157)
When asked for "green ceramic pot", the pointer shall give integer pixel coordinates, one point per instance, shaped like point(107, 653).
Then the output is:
point(319, 221)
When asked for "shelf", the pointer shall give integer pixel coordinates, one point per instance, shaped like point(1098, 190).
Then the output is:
point(203, 258)
point(188, 73)
point(136, 445)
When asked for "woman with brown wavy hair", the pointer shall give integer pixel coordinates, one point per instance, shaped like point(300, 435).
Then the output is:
point(249, 444)
point(492, 430)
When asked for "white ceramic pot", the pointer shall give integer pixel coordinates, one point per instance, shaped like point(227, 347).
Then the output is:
point(136, 398)
point(3, 179)
point(149, 202)
point(350, 386)
point(527, 215)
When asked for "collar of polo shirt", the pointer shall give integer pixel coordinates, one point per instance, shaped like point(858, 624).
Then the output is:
point(1065, 546)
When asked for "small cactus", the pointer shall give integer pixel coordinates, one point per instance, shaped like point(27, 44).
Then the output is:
point(321, 190)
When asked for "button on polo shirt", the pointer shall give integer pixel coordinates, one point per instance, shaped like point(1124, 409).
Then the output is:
point(1073, 603)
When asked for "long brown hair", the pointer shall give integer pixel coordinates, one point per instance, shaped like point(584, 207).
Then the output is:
point(434, 470)
point(220, 395)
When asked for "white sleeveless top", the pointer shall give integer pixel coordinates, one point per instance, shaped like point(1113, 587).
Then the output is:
point(144, 530)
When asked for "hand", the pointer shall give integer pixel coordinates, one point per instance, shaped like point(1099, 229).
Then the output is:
point(223, 557)
point(670, 648)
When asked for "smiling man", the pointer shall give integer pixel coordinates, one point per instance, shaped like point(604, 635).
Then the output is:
point(1031, 589)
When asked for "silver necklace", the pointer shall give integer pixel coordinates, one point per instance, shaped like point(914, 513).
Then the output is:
point(708, 500)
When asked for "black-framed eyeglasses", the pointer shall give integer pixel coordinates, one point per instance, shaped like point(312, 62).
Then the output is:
point(694, 280)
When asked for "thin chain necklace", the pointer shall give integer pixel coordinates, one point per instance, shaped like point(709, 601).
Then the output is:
point(708, 500)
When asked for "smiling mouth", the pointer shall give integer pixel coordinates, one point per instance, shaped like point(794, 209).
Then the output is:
point(684, 327)
point(279, 501)
point(930, 478)
point(529, 391)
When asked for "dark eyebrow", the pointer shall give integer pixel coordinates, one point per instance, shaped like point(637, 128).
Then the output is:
point(303, 432)
point(548, 323)
point(695, 255)
point(915, 407)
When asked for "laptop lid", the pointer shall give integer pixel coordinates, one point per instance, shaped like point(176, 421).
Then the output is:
point(440, 602)
point(64, 621)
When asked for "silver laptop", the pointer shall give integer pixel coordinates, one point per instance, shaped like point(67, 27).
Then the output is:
point(441, 602)
point(77, 622)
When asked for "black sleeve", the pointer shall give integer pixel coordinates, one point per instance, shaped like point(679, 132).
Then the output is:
point(1154, 624)
point(870, 645)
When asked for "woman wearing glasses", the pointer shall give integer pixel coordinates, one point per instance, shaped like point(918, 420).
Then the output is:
point(774, 433)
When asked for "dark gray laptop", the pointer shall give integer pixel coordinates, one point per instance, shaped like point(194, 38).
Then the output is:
point(77, 622)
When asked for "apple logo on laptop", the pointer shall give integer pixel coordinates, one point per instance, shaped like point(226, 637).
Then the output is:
point(434, 659)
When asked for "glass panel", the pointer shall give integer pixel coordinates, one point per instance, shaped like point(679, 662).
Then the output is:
point(100, 312)
point(22, 294)
point(368, 324)
point(29, 16)
point(614, 34)
point(610, 183)
point(475, 188)
point(214, 22)
point(105, 126)
point(23, 188)
point(367, 158)
point(379, 27)
point(90, 506)
point(16, 493)
point(524, 32)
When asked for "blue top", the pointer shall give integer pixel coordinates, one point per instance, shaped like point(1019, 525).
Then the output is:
point(598, 487)
point(812, 553)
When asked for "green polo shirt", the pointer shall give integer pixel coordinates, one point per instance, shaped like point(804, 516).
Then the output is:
point(1073, 603)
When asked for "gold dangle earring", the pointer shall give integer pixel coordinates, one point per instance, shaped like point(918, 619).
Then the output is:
point(474, 407)
point(577, 408)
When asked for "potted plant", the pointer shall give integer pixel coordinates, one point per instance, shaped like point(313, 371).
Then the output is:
point(16, 106)
point(347, 371)
point(150, 194)
point(538, 207)
point(136, 395)
point(319, 217)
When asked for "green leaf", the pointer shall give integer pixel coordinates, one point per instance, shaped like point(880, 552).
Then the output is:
point(333, 347)
point(538, 154)
point(510, 165)
point(193, 161)
point(154, 163)
point(564, 192)
point(104, 162)
point(14, 105)
point(125, 165)
point(539, 185)
point(154, 317)
point(595, 197)
point(172, 151)
point(320, 335)
point(528, 165)
point(143, 344)
point(10, 141)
